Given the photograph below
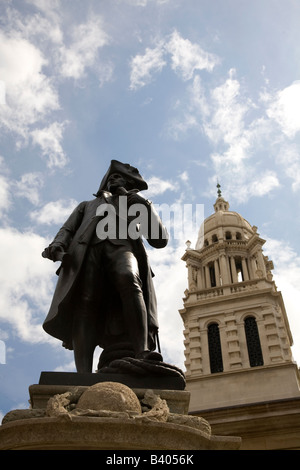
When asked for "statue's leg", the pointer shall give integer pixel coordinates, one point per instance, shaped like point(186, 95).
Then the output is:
point(84, 328)
point(84, 338)
point(123, 272)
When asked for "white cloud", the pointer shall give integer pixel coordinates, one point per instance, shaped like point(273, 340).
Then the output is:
point(239, 134)
point(187, 57)
point(184, 176)
point(28, 187)
point(49, 139)
point(228, 111)
point(143, 3)
point(49, 8)
point(54, 212)
point(158, 186)
point(144, 66)
point(180, 126)
point(289, 158)
point(30, 95)
point(26, 283)
point(263, 184)
point(137, 3)
point(87, 39)
point(46, 25)
point(197, 99)
point(170, 282)
point(287, 278)
point(285, 109)
point(105, 73)
point(5, 192)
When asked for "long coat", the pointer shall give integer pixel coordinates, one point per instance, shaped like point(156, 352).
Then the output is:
point(75, 236)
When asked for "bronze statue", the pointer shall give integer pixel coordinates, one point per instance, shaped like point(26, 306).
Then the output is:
point(104, 294)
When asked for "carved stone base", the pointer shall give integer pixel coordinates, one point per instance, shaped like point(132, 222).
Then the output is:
point(109, 416)
point(88, 433)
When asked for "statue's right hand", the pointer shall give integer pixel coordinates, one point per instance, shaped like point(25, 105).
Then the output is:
point(53, 252)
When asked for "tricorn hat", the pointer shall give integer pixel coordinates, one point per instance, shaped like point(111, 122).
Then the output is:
point(126, 170)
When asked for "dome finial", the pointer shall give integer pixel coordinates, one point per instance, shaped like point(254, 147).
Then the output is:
point(220, 204)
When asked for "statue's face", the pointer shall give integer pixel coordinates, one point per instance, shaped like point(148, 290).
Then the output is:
point(114, 181)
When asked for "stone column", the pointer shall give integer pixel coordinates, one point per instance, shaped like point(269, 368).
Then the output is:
point(207, 277)
point(205, 353)
point(245, 269)
point(217, 272)
point(233, 270)
point(253, 267)
point(200, 280)
point(224, 269)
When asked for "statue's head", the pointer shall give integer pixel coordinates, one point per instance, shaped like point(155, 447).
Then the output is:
point(129, 174)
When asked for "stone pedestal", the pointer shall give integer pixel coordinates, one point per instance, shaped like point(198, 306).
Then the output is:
point(108, 416)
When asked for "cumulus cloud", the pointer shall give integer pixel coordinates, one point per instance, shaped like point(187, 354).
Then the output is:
point(158, 186)
point(144, 66)
point(263, 184)
point(29, 74)
point(284, 108)
point(45, 23)
point(30, 94)
point(87, 39)
point(50, 141)
point(187, 57)
point(26, 283)
point(289, 158)
point(170, 282)
point(29, 187)
point(228, 111)
point(143, 3)
point(5, 192)
point(54, 212)
point(242, 132)
point(184, 57)
point(49, 8)
point(287, 277)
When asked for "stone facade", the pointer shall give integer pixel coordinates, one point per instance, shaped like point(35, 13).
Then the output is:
point(236, 332)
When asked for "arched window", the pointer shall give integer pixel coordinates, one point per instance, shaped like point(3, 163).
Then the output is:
point(214, 348)
point(214, 238)
point(238, 236)
point(253, 342)
point(228, 236)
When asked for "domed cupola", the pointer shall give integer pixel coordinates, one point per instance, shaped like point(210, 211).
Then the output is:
point(223, 225)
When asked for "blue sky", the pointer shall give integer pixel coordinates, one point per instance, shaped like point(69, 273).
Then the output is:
point(191, 92)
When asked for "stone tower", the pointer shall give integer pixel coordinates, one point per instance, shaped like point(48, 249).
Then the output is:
point(237, 336)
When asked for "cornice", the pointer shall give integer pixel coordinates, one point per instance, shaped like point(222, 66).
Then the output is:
point(229, 292)
point(226, 246)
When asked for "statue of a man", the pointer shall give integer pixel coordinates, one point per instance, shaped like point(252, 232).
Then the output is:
point(104, 294)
